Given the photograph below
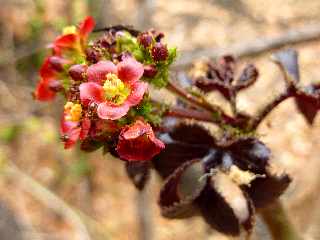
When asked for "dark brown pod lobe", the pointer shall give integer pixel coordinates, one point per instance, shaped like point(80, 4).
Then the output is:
point(78, 72)
point(159, 52)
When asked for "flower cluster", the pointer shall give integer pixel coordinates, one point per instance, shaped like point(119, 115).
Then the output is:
point(105, 83)
point(224, 177)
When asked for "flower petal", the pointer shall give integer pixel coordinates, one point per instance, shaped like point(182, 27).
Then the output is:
point(43, 92)
point(97, 72)
point(65, 41)
point(111, 111)
point(85, 127)
point(129, 70)
point(70, 132)
point(137, 91)
point(46, 70)
point(138, 142)
point(90, 92)
point(86, 27)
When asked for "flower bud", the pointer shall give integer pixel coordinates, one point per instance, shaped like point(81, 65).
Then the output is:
point(159, 52)
point(55, 86)
point(93, 55)
point(57, 63)
point(150, 71)
point(145, 39)
point(78, 72)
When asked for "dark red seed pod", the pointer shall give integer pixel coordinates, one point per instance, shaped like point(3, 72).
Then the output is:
point(159, 52)
point(145, 39)
point(78, 72)
point(150, 71)
point(57, 63)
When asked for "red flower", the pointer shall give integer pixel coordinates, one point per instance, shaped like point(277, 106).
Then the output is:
point(72, 125)
point(49, 84)
point(74, 38)
point(138, 142)
point(114, 88)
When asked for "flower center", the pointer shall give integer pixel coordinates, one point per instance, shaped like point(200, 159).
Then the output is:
point(73, 111)
point(69, 30)
point(115, 90)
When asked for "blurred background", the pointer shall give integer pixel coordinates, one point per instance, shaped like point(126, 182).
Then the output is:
point(48, 193)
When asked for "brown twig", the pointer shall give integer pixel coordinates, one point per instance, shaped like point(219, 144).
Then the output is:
point(269, 107)
point(259, 46)
point(191, 114)
point(217, 114)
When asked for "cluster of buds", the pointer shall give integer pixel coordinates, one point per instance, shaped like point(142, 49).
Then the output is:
point(105, 88)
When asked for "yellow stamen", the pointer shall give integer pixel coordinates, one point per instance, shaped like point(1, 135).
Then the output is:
point(73, 111)
point(115, 90)
point(69, 30)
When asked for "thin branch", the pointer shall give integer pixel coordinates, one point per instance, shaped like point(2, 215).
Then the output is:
point(48, 198)
point(269, 107)
point(144, 215)
point(216, 112)
point(179, 112)
point(259, 46)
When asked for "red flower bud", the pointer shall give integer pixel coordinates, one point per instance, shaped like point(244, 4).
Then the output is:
point(55, 86)
point(57, 63)
point(138, 142)
point(145, 39)
point(150, 71)
point(78, 72)
point(93, 55)
point(159, 52)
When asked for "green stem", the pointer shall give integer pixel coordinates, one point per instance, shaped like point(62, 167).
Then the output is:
point(278, 223)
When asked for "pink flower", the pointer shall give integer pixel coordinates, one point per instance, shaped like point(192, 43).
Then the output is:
point(114, 88)
point(138, 142)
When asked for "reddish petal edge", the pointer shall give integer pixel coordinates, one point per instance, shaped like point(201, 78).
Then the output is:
point(86, 27)
point(137, 91)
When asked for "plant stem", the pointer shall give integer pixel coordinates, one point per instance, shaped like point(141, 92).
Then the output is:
point(269, 107)
point(191, 114)
point(221, 118)
point(278, 222)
